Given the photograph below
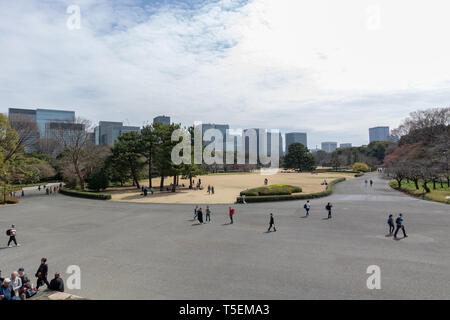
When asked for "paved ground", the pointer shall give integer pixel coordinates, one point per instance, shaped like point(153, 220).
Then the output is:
point(150, 251)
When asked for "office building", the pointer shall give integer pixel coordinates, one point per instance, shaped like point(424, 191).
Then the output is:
point(40, 122)
point(259, 132)
point(299, 137)
point(223, 128)
point(329, 146)
point(162, 119)
point(107, 132)
point(378, 134)
point(345, 145)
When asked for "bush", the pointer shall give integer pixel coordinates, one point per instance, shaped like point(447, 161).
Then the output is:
point(283, 197)
point(360, 166)
point(275, 189)
point(98, 180)
point(83, 194)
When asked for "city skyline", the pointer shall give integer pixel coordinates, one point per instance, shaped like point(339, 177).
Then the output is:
point(227, 61)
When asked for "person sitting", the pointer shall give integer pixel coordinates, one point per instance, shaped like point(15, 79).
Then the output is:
point(7, 291)
point(16, 283)
point(57, 283)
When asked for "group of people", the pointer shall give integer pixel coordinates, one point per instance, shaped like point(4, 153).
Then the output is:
point(366, 182)
point(198, 214)
point(145, 190)
point(210, 189)
point(307, 207)
point(20, 287)
point(399, 225)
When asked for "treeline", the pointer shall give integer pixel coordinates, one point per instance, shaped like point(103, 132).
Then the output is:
point(422, 154)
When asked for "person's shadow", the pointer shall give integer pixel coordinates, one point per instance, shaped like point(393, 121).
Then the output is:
point(196, 224)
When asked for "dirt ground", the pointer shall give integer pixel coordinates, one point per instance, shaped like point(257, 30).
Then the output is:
point(227, 187)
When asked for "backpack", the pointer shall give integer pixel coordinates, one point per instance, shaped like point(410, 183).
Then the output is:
point(304, 206)
point(8, 232)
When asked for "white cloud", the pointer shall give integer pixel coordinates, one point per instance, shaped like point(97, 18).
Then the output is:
point(289, 64)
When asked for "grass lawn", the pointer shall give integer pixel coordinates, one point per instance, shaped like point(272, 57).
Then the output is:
point(435, 195)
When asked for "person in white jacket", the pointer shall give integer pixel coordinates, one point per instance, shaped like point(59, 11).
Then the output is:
point(16, 282)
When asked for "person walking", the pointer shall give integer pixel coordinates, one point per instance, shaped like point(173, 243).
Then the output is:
point(200, 215)
point(42, 273)
point(399, 222)
point(390, 222)
point(365, 181)
point(328, 208)
point(12, 232)
point(209, 189)
point(271, 224)
point(231, 213)
point(371, 182)
point(212, 189)
point(195, 212)
point(307, 206)
point(208, 214)
point(243, 199)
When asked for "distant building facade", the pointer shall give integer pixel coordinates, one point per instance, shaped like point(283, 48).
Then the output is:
point(329, 146)
point(379, 134)
point(107, 132)
point(162, 119)
point(41, 122)
point(247, 136)
point(299, 137)
point(345, 145)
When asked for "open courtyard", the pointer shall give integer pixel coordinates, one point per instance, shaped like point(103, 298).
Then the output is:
point(157, 251)
point(228, 186)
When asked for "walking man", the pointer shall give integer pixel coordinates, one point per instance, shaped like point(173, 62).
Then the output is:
point(231, 212)
point(41, 273)
point(195, 212)
point(371, 182)
point(12, 236)
point(307, 206)
point(390, 222)
point(271, 224)
point(399, 222)
point(208, 214)
point(328, 207)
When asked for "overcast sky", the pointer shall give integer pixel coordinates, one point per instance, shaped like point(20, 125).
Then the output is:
point(330, 68)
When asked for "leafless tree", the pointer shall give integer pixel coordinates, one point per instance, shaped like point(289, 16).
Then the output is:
point(27, 132)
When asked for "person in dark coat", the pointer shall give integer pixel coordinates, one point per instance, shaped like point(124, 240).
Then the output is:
point(57, 283)
point(328, 207)
point(271, 223)
point(42, 273)
point(200, 215)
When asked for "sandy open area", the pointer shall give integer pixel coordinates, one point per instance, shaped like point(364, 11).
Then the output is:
point(227, 187)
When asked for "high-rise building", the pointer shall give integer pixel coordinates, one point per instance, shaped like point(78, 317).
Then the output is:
point(299, 137)
point(345, 145)
point(107, 132)
point(378, 134)
point(41, 122)
point(223, 128)
point(162, 119)
point(247, 138)
point(329, 146)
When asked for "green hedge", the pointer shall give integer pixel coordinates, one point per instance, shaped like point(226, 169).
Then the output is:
point(359, 174)
point(272, 190)
point(88, 195)
point(327, 192)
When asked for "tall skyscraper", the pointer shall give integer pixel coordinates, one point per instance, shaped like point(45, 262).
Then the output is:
point(299, 137)
point(43, 121)
point(107, 132)
point(162, 119)
point(223, 128)
point(259, 132)
point(378, 134)
point(329, 146)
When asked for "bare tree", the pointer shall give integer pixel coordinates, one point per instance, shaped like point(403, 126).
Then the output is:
point(27, 132)
point(74, 138)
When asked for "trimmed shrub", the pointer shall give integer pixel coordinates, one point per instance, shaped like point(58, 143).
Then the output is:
point(83, 194)
point(360, 166)
point(266, 198)
point(98, 180)
point(275, 189)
